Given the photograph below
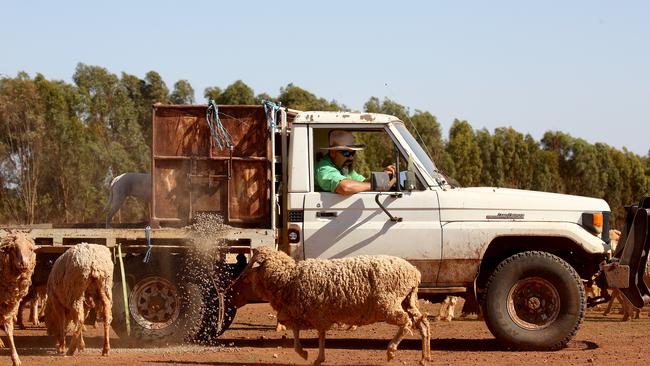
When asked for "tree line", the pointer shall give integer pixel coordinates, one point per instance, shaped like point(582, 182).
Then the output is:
point(61, 143)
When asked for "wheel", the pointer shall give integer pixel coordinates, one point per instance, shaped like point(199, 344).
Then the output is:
point(162, 307)
point(534, 301)
point(217, 317)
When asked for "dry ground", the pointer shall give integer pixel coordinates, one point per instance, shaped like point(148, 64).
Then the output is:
point(252, 340)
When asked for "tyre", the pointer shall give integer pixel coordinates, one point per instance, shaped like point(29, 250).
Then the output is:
point(162, 307)
point(534, 301)
point(217, 318)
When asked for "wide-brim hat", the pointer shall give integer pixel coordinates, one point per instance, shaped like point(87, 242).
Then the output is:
point(343, 140)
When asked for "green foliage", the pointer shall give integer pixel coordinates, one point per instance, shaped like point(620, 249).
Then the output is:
point(212, 93)
point(183, 93)
point(464, 150)
point(295, 97)
point(22, 125)
point(237, 93)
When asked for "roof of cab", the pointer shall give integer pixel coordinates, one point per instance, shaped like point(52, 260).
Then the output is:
point(343, 117)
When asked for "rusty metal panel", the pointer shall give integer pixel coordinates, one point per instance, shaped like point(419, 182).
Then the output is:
point(248, 198)
point(191, 174)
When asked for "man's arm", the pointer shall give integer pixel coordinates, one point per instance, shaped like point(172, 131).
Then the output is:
point(350, 186)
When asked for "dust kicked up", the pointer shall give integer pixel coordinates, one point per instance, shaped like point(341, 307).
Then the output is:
point(206, 265)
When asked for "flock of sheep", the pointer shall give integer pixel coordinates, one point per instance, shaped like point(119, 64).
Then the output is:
point(80, 279)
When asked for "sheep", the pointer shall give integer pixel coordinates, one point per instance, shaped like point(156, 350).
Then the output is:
point(37, 294)
point(447, 309)
point(317, 293)
point(36, 297)
point(17, 262)
point(81, 275)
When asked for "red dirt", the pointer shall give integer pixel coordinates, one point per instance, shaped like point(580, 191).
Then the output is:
point(252, 340)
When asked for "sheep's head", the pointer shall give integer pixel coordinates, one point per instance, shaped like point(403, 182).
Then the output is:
point(20, 249)
point(246, 287)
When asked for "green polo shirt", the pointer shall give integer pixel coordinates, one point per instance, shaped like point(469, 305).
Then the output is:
point(328, 175)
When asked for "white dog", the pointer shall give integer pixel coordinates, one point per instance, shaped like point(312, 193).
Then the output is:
point(128, 184)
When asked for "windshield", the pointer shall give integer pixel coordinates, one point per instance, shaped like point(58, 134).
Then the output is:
point(422, 156)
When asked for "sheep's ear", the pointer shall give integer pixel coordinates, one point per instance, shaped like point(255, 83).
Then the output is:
point(255, 264)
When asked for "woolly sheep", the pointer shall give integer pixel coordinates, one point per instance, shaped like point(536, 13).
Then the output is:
point(317, 293)
point(17, 262)
point(84, 273)
point(447, 309)
point(37, 294)
point(36, 298)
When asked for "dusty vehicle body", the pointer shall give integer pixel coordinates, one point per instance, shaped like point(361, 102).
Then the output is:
point(520, 256)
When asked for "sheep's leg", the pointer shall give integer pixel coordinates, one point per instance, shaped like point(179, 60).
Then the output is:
point(9, 329)
point(297, 346)
point(321, 347)
point(452, 306)
point(108, 317)
point(60, 340)
point(82, 343)
point(77, 316)
point(116, 200)
point(401, 319)
point(611, 302)
point(19, 315)
point(33, 311)
point(394, 343)
point(627, 307)
point(423, 325)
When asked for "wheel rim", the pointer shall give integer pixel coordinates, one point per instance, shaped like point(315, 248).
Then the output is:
point(154, 303)
point(533, 303)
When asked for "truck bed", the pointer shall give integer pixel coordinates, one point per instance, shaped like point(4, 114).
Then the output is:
point(54, 239)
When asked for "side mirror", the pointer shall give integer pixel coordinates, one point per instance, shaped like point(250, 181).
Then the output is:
point(379, 182)
point(407, 180)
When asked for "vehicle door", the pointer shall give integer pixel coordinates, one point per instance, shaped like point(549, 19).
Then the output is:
point(337, 226)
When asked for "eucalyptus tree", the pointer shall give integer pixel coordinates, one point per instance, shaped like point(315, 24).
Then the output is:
point(464, 150)
point(22, 125)
point(183, 93)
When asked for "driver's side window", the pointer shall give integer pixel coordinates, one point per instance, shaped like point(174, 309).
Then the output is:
point(377, 153)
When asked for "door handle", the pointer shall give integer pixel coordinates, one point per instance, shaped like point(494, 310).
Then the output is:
point(326, 214)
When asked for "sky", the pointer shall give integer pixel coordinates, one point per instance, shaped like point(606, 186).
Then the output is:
point(581, 67)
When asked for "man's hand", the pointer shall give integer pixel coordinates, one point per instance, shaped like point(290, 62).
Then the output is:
point(391, 174)
point(390, 170)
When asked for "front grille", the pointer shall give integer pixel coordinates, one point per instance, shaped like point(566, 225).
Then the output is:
point(296, 216)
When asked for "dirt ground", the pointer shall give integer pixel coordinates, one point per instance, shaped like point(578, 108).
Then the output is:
point(252, 340)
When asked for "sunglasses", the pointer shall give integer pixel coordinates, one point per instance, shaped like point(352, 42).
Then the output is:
point(347, 153)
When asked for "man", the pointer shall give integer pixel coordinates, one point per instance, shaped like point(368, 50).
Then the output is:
point(335, 171)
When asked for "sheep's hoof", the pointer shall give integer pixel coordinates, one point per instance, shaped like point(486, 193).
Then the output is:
point(423, 361)
point(303, 354)
point(105, 352)
point(391, 354)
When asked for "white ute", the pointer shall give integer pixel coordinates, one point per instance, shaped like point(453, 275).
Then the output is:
point(521, 256)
